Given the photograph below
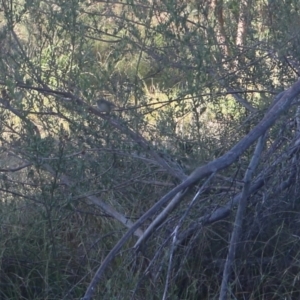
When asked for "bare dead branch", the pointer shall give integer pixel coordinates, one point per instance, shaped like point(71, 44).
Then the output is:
point(261, 180)
point(239, 217)
point(175, 232)
point(95, 200)
point(218, 164)
point(16, 168)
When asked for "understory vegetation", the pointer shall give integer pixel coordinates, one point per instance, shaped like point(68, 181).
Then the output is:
point(186, 186)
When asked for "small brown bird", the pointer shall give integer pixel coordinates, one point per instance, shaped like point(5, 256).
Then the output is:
point(104, 106)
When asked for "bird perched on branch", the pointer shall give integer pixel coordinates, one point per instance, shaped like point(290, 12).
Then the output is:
point(105, 106)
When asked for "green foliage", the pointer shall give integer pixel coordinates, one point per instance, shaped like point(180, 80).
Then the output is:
point(176, 72)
